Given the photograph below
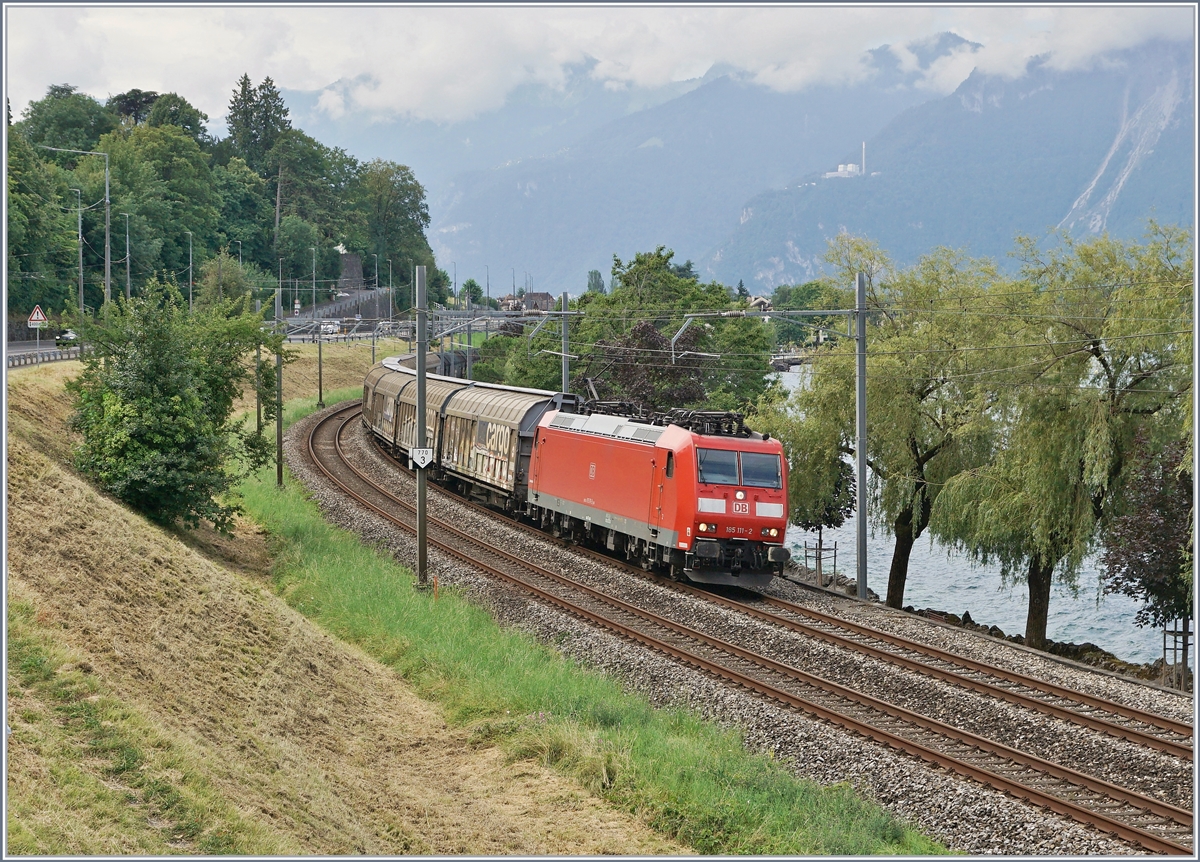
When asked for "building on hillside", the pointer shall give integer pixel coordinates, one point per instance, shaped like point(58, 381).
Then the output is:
point(511, 302)
point(539, 302)
point(352, 274)
point(845, 171)
point(760, 303)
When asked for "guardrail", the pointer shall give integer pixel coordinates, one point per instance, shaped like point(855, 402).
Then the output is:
point(16, 360)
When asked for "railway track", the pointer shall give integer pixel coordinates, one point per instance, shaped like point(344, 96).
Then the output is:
point(1154, 824)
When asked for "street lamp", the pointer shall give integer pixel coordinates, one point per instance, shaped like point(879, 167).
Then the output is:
point(239, 242)
point(107, 217)
point(374, 255)
point(189, 233)
point(127, 293)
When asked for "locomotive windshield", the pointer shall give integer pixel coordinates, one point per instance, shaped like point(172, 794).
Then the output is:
point(718, 467)
point(758, 469)
point(761, 470)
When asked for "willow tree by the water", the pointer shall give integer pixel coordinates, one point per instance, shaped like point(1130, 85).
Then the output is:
point(928, 417)
point(1100, 354)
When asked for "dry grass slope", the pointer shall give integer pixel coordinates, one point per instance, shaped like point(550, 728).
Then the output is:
point(276, 737)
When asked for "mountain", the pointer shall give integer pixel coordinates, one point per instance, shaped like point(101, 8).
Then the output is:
point(1087, 151)
point(673, 174)
point(535, 120)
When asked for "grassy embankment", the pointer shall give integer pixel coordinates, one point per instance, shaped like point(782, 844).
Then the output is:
point(688, 779)
point(162, 704)
point(163, 699)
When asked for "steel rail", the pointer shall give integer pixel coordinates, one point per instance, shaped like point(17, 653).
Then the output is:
point(1174, 747)
point(1074, 810)
point(1131, 734)
point(1172, 725)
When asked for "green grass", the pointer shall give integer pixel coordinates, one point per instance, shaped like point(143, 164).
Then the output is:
point(689, 779)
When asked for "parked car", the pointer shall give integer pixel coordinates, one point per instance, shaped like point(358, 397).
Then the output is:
point(69, 338)
point(330, 327)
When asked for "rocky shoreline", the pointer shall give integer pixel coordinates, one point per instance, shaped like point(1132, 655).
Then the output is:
point(1086, 653)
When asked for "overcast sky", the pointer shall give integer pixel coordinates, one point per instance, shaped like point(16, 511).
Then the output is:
point(450, 63)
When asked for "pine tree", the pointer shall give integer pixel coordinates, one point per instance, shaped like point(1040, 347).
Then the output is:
point(240, 121)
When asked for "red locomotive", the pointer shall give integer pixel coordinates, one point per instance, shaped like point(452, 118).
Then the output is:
point(693, 493)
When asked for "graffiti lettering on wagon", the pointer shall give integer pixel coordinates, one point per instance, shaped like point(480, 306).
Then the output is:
point(492, 439)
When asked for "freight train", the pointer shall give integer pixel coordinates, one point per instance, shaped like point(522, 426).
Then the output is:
point(694, 494)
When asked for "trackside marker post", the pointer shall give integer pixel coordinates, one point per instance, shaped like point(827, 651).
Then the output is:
point(426, 453)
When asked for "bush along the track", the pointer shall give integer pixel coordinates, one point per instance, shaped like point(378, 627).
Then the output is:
point(688, 778)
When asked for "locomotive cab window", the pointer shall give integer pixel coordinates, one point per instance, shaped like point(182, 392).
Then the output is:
point(761, 470)
point(670, 468)
point(718, 467)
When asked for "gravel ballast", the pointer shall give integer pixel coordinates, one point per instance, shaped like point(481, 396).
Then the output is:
point(966, 816)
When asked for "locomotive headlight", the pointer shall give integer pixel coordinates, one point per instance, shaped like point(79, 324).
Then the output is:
point(741, 495)
point(774, 532)
point(703, 528)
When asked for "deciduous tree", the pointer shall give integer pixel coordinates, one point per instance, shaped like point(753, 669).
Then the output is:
point(67, 119)
point(155, 400)
point(1148, 544)
point(1102, 352)
point(927, 419)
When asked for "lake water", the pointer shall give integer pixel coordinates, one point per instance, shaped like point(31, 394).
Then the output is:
point(945, 580)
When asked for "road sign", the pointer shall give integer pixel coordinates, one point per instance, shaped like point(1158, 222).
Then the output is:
point(37, 320)
point(422, 457)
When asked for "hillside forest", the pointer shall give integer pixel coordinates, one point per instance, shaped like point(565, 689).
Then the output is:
point(267, 195)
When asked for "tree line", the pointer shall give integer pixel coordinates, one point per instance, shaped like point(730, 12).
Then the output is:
point(1031, 420)
point(264, 196)
point(621, 343)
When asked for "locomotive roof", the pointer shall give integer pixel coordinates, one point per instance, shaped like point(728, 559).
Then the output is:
point(606, 425)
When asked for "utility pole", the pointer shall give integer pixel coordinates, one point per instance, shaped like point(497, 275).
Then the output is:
point(860, 412)
point(390, 291)
point(239, 242)
point(107, 238)
point(566, 361)
point(279, 383)
point(79, 202)
point(320, 337)
point(189, 233)
point(469, 313)
point(374, 255)
point(258, 373)
point(128, 294)
point(422, 575)
point(107, 217)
